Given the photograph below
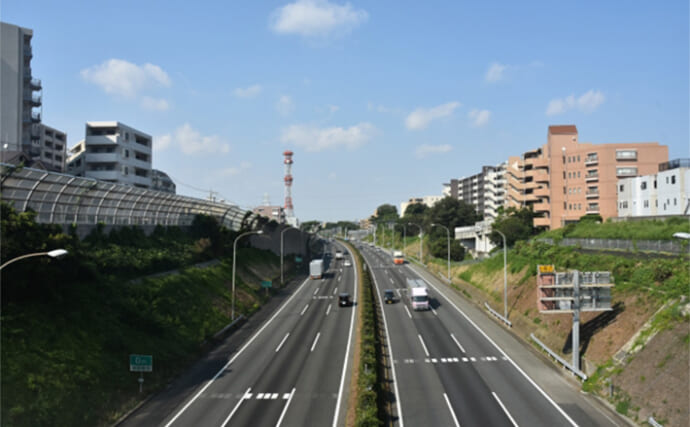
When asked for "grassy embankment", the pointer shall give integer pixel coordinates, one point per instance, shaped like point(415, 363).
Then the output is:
point(65, 347)
point(641, 348)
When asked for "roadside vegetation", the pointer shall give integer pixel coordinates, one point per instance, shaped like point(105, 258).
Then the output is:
point(629, 230)
point(69, 325)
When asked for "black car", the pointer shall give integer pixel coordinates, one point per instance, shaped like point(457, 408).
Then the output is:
point(388, 296)
point(344, 300)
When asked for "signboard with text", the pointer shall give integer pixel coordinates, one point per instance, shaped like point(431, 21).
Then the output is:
point(140, 363)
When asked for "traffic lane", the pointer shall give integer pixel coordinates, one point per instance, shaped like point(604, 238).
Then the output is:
point(546, 381)
point(291, 359)
point(421, 399)
point(330, 360)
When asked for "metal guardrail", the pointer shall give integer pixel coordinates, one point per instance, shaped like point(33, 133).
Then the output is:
point(653, 422)
point(559, 359)
point(620, 244)
point(499, 316)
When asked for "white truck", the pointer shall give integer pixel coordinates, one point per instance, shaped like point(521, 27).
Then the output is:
point(338, 255)
point(418, 294)
point(316, 269)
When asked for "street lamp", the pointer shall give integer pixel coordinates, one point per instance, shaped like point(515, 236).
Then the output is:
point(55, 253)
point(505, 276)
point(281, 253)
point(421, 239)
point(234, 256)
point(448, 236)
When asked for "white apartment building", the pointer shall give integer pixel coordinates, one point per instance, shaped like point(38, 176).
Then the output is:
point(485, 190)
point(113, 152)
point(426, 200)
point(665, 193)
point(21, 130)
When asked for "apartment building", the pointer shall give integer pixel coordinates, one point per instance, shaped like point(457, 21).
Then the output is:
point(429, 201)
point(666, 193)
point(113, 152)
point(485, 190)
point(564, 179)
point(276, 213)
point(21, 130)
point(160, 181)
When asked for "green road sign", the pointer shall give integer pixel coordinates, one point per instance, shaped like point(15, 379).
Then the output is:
point(140, 363)
point(266, 284)
point(298, 259)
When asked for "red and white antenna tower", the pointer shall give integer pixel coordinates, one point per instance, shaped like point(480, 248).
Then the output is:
point(289, 212)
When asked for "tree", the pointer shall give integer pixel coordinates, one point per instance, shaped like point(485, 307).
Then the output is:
point(452, 213)
point(439, 248)
point(516, 224)
point(415, 213)
point(385, 213)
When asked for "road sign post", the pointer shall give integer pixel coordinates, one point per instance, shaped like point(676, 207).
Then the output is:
point(140, 363)
point(266, 284)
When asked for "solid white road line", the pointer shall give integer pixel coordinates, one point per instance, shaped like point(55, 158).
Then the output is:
point(408, 312)
point(450, 408)
point(282, 415)
point(316, 290)
point(304, 309)
point(347, 353)
point(512, 362)
point(244, 396)
point(315, 341)
point(328, 310)
point(456, 342)
point(433, 311)
point(283, 341)
point(504, 409)
point(196, 396)
point(422, 341)
point(390, 350)
point(335, 290)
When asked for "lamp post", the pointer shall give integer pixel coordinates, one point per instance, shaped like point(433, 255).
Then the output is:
point(505, 276)
point(234, 263)
point(282, 282)
point(56, 253)
point(421, 239)
point(448, 238)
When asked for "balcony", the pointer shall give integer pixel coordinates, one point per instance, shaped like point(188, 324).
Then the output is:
point(542, 192)
point(592, 194)
point(542, 222)
point(541, 207)
point(624, 172)
point(102, 157)
point(540, 162)
point(541, 175)
point(104, 175)
point(592, 177)
point(626, 155)
point(101, 139)
point(592, 208)
point(591, 159)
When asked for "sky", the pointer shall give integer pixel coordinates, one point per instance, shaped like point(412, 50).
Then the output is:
point(379, 101)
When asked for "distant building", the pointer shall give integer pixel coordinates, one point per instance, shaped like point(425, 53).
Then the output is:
point(428, 201)
point(21, 104)
point(276, 213)
point(113, 152)
point(160, 181)
point(665, 193)
point(485, 190)
point(564, 179)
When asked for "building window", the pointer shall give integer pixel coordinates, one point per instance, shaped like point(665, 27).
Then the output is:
point(673, 179)
point(674, 201)
point(626, 154)
point(655, 183)
point(565, 191)
point(126, 153)
point(630, 171)
point(565, 205)
point(666, 180)
point(579, 206)
point(578, 157)
point(578, 174)
point(643, 186)
point(620, 188)
point(656, 203)
point(646, 203)
point(563, 174)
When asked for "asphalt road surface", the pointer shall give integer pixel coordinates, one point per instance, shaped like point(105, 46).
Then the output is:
point(293, 371)
point(452, 366)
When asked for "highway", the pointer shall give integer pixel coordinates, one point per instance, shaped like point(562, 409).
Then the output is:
point(448, 372)
point(293, 371)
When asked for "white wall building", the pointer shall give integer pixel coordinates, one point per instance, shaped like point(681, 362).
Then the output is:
point(665, 193)
point(429, 201)
point(113, 152)
point(485, 190)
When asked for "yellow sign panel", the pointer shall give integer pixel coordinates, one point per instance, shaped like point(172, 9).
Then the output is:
point(546, 268)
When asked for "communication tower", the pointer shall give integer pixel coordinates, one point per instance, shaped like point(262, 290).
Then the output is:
point(289, 211)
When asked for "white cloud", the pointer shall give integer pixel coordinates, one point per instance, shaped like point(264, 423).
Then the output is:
point(120, 77)
point(316, 139)
point(426, 149)
point(248, 92)
point(191, 141)
point(316, 18)
point(154, 104)
point(588, 102)
point(420, 118)
point(495, 72)
point(285, 105)
point(162, 143)
point(479, 117)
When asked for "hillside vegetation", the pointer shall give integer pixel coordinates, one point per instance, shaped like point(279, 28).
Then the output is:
point(68, 326)
point(641, 345)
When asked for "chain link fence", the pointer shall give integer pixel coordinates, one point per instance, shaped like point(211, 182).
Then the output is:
point(668, 246)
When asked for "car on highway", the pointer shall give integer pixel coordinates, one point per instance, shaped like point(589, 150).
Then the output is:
point(347, 263)
point(389, 296)
point(344, 300)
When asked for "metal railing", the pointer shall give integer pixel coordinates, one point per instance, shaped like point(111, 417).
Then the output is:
point(558, 358)
point(670, 246)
